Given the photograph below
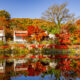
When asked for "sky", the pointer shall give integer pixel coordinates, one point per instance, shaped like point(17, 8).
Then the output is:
point(34, 8)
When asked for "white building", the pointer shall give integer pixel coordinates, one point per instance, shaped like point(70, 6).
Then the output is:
point(19, 36)
point(52, 36)
point(2, 35)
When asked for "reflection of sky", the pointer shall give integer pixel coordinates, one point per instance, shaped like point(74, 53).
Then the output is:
point(48, 77)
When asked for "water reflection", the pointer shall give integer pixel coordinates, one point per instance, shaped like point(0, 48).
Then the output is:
point(52, 68)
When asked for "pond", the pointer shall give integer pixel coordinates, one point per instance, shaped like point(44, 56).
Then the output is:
point(48, 67)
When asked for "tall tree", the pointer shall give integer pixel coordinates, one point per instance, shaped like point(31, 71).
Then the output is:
point(58, 14)
point(4, 22)
point(5, 14)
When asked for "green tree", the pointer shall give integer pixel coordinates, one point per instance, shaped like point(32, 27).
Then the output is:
point(58, 14)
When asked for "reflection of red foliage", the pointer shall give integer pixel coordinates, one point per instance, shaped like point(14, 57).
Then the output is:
point(31, 71)
point(65, 68)
point(61, 46)
point(50, 46)
point(64, 65)
point(61, 57)
point(37, 70)
point(67, 62)
point(40, 67)
point(77, 69)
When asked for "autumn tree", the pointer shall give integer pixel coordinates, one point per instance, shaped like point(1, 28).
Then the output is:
point(58, 14)
point(36, 33)
point(4, 22)
point(5, 14)
point(4, 18)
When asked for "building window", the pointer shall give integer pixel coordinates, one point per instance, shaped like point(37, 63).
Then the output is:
point(18, 37)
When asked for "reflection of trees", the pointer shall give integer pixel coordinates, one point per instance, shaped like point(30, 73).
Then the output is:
point(52, 71)
point(37, 68)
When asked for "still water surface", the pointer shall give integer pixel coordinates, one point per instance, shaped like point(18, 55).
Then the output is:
point(34, 69)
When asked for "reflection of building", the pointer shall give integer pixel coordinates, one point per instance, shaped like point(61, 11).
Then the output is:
point(20, 35)
point(2, 67)
point(18, 65)
point(2, 35)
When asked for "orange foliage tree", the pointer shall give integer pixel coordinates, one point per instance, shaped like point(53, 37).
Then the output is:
point(36, 33)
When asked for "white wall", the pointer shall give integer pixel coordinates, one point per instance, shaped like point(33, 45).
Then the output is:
point(18, 38)
point(2, 34)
